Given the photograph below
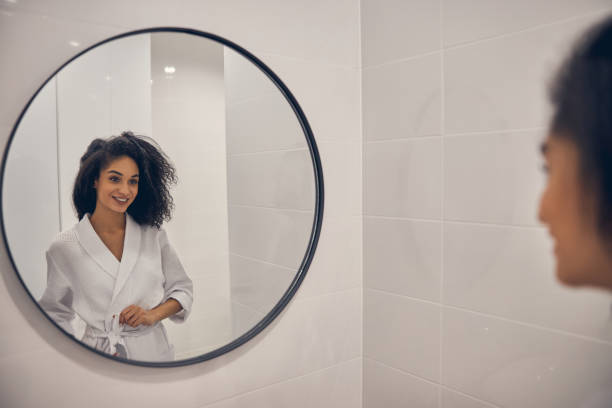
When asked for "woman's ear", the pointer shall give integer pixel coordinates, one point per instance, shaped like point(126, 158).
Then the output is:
point(95, 183)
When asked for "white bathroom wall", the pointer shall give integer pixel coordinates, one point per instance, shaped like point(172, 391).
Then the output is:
point(311, 355)
point(270, 191)
point(31, 172)
point(462, 308)
point(188, 109)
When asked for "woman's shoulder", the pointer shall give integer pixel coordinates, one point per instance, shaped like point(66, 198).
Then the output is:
point(63, 240)
point(151, 232)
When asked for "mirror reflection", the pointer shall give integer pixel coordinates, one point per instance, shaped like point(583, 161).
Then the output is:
point(180, 233)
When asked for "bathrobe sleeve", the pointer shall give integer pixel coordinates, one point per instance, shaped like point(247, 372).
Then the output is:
point(57, 299)
point(177, 284)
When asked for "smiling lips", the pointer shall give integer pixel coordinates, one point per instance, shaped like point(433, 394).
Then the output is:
point(121, 200)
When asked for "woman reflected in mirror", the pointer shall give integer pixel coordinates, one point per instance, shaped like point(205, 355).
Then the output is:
point(115, 269)
point(576, 205)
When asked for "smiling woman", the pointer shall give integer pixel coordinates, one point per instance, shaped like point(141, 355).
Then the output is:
point(146, 282)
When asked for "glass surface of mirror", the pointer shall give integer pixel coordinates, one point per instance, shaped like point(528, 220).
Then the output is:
point(245, 199)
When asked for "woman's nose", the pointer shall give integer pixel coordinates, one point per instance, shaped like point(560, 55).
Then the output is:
point(124, 189)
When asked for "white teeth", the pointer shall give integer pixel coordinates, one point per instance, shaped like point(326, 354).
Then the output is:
point(123, 200)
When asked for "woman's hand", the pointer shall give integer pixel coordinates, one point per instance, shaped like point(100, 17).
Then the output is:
point(135, 315)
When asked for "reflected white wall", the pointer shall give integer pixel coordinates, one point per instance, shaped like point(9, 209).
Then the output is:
point(31, 179)
point(271, 191)
point(189, 123)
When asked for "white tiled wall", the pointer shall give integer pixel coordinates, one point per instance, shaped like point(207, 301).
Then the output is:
point(461, 305)
point(311, 356)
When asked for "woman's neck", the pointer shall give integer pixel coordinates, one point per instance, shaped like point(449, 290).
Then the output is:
point(104, 220)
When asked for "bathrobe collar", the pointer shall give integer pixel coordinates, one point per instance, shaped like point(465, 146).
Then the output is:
point(99, 252)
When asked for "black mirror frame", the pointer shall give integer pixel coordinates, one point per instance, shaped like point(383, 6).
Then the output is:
point(318, 213)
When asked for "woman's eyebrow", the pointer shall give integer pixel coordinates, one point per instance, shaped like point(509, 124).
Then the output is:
point(544, 147)
point(116, 172)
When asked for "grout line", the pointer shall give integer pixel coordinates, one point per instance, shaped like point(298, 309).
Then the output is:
point(285, 380)
point(498, 131)
point(295, 210)
point(384, 217)
point(264, 262)
point(460, 222)
point(362, 174)
point(418, 377)
point(401, 60)
point(63, 19)
point(527, 30)
point(443, 134)
point(386, 292)
point(496, 317)
point(427, 380)
point(405, 139)
point(493, 224)
point(442, 155)
point(530, 325)
point(489, 404)
point(261, 54)
point(288, 150)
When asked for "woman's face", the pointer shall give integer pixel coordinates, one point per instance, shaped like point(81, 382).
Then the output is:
point(569, 213)
point(117, 185)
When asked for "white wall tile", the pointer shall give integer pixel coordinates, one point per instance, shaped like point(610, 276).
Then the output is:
point(332, 387)
point(244, 80)
point(31, 178)
point(493, 178)
point(470, 20)
point(391, 388)
point(395, 29)
point(510, 272)
point(336, 120)
point(256, 284)
point(403, 99)
point(513, 365)
point(452, 399)
point(342, 178)
point(403, 333)
point(403, 257)
point(283, 179)
point(329, 323)
point(263, 124)
point(21, 339)
point(321, 30)
point(404, 178)
point(276, 236)
point(36, 56)
point(337, 262)
point(502, 83)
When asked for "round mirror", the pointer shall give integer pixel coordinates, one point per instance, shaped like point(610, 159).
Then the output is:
point(247, 207)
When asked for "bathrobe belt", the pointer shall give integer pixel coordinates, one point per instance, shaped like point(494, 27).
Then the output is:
point(116, 336)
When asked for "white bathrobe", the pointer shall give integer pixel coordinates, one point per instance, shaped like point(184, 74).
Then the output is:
point(85, 278)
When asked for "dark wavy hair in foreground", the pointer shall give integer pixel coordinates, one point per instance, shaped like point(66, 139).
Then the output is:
point(153, 204)
point(581, 95)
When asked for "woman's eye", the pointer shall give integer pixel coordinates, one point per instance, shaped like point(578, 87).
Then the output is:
point(545, 168)
point(134, 181)
point(114, 179)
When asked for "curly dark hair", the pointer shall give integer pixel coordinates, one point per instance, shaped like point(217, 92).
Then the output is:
point(153, 204)
point(581, 95)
